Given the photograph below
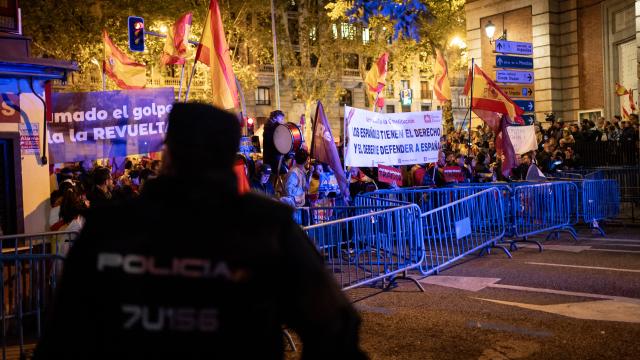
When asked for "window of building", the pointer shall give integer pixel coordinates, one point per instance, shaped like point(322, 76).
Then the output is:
point(425, 91)
point(406, 108)
point(390, 90)
point(391, 109)
point(365, 36)
point(425, 107)
point(292, 5)
point(334, 31)
point(624, 19)
point(347, 31)
point(346, 98)
point(405, 84)
point(313, 59)
point(351, 61)
point(313, 34)
point(462, 101)
point(294, 33)
point(263, 96)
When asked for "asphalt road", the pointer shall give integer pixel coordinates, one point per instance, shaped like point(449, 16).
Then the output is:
point(575, 300)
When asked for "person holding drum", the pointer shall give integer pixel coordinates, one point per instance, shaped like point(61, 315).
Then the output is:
point(270, 154)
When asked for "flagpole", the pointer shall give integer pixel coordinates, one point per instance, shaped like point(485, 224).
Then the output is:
point(181, 78)
point(243, 108)
point(193, 72)
point(275, 55)
point(473, 73)
point(375, 103)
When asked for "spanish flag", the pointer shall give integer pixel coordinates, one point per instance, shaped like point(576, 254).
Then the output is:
point(621, 90)
point(625, 113)
point(441, 86)
point(176, 45)
point(497, 110)
point(126, 73)
point(376, 80)
point(488, 99)
point(213, 51)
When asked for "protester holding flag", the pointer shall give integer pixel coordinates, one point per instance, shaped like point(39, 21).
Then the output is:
point(497, 110)
point(376, 81)
point(324, 149)
point(125, 72)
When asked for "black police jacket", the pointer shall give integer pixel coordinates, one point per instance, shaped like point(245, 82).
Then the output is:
point(162, 277)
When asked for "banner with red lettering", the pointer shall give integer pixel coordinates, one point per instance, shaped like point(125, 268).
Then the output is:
point(389, 175)
point(391, 139)
point(107, 124)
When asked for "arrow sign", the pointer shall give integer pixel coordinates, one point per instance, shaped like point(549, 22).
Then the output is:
point(514, 62)
point(518, 77)
point(518, 91)
point(528, 119)
point(514, 47)
point(526, 105)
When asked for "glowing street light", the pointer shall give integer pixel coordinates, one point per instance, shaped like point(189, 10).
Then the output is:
point(458, 42)
point(164, 29)
point(490, 30)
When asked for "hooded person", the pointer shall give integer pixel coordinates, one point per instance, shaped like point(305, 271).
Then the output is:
point(194, 285)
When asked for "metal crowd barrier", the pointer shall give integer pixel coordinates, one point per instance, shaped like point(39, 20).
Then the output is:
point(31, 264)
point(600, 200)
point(542, 207)
point(374, 245)
point(462, 227)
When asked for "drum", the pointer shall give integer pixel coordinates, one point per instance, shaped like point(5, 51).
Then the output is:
point(287, 138)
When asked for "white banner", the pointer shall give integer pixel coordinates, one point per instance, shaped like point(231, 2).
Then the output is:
point(391, 139)
point(523, 138)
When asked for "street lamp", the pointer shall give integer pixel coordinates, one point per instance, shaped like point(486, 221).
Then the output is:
point(490, 30)
point(458, 42)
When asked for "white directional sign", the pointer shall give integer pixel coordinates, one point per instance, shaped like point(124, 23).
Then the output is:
point(517, 77)
point(514, 47)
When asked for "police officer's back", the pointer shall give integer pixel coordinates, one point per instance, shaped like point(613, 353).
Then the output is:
point(163, 277)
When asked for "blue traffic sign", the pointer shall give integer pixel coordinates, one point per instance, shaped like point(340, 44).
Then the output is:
point(514, 47)
point(514, 62)
point(528, 119)
point(517, 77)
point(526, 105)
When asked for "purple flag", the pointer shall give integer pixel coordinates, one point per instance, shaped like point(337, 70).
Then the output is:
point(323, 148)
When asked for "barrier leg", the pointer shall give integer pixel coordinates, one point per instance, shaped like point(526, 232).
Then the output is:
point(526, 240)
point(405, 276)
point(289, 340)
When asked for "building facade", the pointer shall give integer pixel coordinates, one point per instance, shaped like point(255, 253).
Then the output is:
point(581, 48)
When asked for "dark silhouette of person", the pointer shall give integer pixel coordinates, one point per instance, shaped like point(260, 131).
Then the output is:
point(191, 269)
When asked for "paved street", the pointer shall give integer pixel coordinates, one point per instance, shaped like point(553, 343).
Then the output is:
point(575, 300)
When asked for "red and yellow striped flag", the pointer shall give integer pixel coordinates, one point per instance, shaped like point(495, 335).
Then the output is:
point(441, 86)
point(376, 80)
point(176, 45)
point(621, 90)
point(125, 72)
point(213, 51)
point(489, 100)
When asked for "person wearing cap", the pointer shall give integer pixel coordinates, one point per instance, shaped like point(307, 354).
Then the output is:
point(196, 285)
point(260, 183)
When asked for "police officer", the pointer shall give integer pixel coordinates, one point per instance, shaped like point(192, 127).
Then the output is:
point(162, 277)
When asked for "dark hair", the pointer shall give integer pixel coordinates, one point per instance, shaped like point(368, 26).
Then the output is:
point(301, 156)
point(274, 114)
point(55, 195)
point(128, 165)
point(481, 157)
point(101, 175)
point(71, 206)
point(201, 134)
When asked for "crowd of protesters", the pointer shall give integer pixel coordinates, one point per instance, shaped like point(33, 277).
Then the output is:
point(82, 186)
point(303, 181)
